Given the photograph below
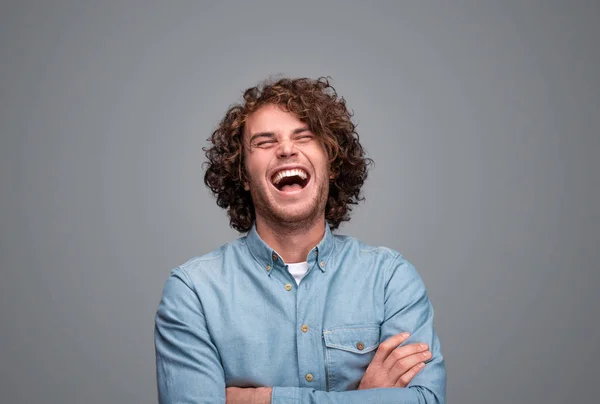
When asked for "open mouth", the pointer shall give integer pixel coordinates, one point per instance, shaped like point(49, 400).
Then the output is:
point(294, 179)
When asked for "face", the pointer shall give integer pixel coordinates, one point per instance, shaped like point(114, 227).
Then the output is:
point(287, 168)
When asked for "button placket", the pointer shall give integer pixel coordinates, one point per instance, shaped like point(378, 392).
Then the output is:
point(310, 350)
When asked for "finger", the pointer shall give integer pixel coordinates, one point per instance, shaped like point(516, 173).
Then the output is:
point(402, 352)
point(405, 364)
point(387, 346)
point(406, 378)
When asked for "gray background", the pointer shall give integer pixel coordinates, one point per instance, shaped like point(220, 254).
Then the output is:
point(483, 119)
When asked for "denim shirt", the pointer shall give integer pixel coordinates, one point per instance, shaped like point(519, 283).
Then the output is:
point(235, 317)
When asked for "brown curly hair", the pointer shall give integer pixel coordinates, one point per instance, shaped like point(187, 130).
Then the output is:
point(314, 102)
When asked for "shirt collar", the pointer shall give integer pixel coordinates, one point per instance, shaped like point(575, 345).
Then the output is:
point(269, 259)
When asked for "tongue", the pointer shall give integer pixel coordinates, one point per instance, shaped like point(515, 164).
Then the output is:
point(292, 187)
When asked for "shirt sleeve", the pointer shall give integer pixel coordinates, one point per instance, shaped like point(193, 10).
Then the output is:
point(407, 308)
point(188, 367)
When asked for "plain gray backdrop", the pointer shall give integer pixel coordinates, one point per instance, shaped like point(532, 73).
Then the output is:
point(483, 119)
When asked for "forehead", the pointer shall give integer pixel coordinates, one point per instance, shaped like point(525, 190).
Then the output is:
point(271, 118)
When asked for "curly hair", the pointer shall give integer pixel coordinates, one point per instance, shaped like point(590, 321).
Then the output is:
point(315, 103)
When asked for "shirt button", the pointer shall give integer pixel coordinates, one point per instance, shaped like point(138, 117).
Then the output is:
point(304, 328)
point(322, 264)
point(274, 257)
point(308, 377)
point(288, 287)
point(268, 267)
point(360, 346)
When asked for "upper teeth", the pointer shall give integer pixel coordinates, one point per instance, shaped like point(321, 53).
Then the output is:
point(289, 173)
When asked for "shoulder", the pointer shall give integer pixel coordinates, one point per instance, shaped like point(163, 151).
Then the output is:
point(210, 264)
point(384, 258)
point(346, 244)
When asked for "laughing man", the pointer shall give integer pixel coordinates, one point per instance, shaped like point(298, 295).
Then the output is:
point(290, 312)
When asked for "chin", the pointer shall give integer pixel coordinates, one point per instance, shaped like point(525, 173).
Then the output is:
point(300, 215)
point(289, 211)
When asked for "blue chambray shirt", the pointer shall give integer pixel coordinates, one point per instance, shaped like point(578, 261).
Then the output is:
point(235, 317)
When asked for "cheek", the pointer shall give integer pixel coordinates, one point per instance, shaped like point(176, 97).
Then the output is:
point(318, 155)
point(256, 167)
point(324, 162)
point(249, 169)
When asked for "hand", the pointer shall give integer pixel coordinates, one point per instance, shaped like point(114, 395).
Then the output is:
point(394, 366)
point(238, 395)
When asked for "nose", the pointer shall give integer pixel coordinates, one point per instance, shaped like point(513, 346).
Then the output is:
point(286, 149)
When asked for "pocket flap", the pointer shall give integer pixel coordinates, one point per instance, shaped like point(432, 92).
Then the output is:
point(357, 339)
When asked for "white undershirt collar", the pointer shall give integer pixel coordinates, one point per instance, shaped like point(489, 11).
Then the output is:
point(298, 270)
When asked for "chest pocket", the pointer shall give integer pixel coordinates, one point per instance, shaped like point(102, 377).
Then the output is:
point(349, 350)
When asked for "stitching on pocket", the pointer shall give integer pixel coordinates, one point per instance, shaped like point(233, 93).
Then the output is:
point(346, 343)
point(330, 380)
point(369, 327)
point(353, 350)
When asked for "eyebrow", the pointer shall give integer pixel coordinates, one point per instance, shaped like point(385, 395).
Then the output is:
point(272, 134)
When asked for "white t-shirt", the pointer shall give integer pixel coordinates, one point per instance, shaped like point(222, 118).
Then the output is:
point(298, 270)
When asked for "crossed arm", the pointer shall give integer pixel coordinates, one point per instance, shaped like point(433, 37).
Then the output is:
point(392, 366)
point(189, 371)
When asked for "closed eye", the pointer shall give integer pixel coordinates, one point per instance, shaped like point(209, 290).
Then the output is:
point(305, 138)
point(265, 143)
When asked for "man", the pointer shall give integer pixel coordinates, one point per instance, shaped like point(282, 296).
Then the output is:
point(291, 313)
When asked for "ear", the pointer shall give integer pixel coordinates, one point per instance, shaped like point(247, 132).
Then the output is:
point(246, 186)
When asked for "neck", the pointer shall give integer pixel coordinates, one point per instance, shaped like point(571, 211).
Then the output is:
point(293, 243)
